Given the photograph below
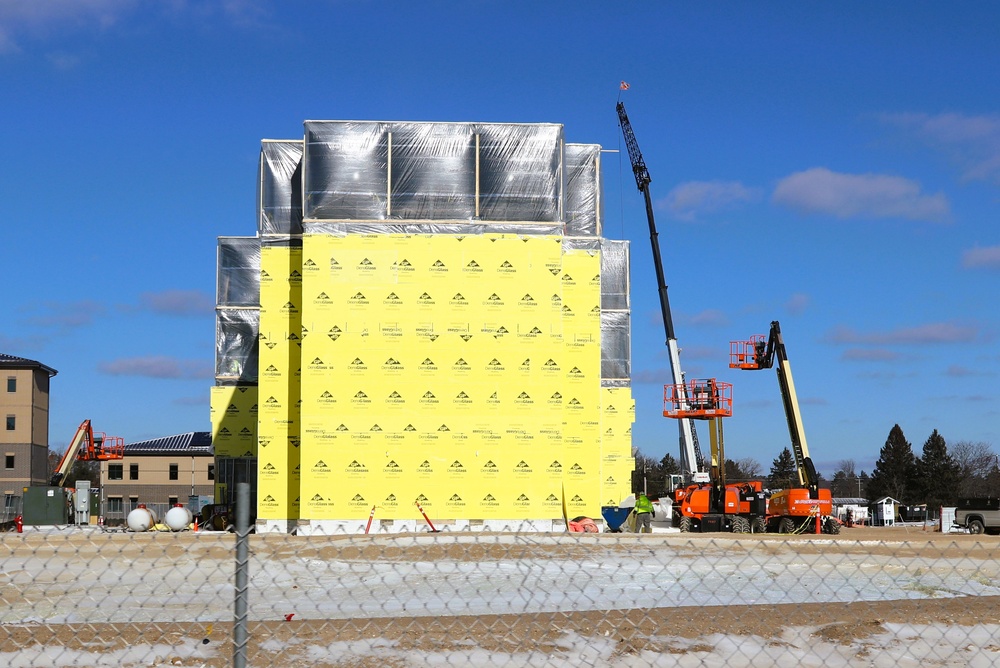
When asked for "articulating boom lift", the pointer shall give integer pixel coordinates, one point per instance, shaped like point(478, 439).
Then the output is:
point(789, 509)
point(87, 446)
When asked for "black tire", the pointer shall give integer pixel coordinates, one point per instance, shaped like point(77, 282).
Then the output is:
point(976, 526)
point(831, 526)
point(685, 524)
point(786, 525)
point(759, 525)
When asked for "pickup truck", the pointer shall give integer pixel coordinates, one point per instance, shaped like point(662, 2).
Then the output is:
point(978, 515)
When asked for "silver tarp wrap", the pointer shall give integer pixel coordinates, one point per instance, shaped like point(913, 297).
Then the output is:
point(520, 172)
point(616, 332)
point(236, 346)
point(583, 190)
point(433, 170)
point(279, 187)
point(346, 170)
point(615, 345)
point(614, 275)
point(341, 229)
point(374, 171)
point(238, 278)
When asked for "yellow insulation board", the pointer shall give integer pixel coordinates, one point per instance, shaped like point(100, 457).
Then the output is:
point(279, 387)
point(234, 421)
point(462, 372)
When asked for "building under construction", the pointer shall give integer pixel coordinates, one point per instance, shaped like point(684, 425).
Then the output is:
point(428, 317)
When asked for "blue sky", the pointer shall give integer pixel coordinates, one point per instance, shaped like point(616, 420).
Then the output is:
point(835, 167)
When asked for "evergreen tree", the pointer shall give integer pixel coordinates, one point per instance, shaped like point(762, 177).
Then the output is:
point(784, 473)
point(895, 469)
point(669, 465)
point(938, 475)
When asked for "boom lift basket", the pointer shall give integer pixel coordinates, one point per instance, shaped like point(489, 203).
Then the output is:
point(699, 399)
point(747, 354)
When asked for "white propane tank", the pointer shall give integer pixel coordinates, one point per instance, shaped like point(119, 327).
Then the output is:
point(141, 519)
point(178, 518)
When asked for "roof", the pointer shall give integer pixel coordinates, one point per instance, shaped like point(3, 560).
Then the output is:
point(191, 443)
point(14, 362)
point(850, 501)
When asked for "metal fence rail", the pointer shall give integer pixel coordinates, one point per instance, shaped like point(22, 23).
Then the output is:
point(83, 596)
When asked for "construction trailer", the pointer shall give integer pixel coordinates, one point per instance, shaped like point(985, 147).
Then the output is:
point(428, 313)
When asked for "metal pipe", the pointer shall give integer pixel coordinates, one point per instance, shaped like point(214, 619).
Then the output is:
point(242, 575)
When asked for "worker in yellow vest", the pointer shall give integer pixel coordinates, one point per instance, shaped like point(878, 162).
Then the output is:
point(643, 514)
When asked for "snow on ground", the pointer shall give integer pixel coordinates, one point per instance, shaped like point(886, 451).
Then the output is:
point(189, 578)
point(134, 579)
point(901, 645)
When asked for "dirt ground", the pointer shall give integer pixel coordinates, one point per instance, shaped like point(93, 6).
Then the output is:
point(633, 631)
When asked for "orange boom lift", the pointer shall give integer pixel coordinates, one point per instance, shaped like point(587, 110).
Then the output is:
point(806, 506)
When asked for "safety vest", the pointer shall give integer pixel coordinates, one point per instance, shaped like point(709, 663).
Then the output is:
point(643, 504)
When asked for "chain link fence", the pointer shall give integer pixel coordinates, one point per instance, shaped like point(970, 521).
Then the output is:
point(90, 596)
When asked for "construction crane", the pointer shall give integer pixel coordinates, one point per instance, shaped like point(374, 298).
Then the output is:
point(87, 446)
point(790, 509)
point(692, 464)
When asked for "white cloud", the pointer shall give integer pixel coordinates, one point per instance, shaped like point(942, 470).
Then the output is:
point(158, 367)
point(178, 302)
point(935, 332)
point(63, 316)
point(707, 318)
point(39, 18)
point(690, 199)
point(797, 303)
point(870, 355)
point(49, 20)
point(822, 191)
point(973, 142)
point(988, 257)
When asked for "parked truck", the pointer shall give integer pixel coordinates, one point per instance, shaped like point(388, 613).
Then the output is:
point(978, 515)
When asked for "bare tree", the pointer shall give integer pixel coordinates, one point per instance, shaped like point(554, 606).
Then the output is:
point(846, 466)
point(976, 462)
point(750, 467)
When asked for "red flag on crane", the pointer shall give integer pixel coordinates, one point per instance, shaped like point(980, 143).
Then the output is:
point(624, 85)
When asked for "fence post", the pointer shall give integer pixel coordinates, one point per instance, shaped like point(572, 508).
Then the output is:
point(242, 575)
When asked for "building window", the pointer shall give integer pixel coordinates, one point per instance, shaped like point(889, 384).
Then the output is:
point(173, 471)
point(11, 384)
point(133, 471)
point(211, 471)
point(10, 423)
point(133, 503)
point(172, 501)
point(115, 472)
point(115, 505)
point(9, 461)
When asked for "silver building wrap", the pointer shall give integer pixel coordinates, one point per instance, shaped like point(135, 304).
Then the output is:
point(419, 177)
point(237, 311)
point(279, 188)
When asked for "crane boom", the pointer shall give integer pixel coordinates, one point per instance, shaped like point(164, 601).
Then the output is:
point(692, 463)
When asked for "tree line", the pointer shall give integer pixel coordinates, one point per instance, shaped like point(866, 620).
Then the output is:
point(938, 477)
